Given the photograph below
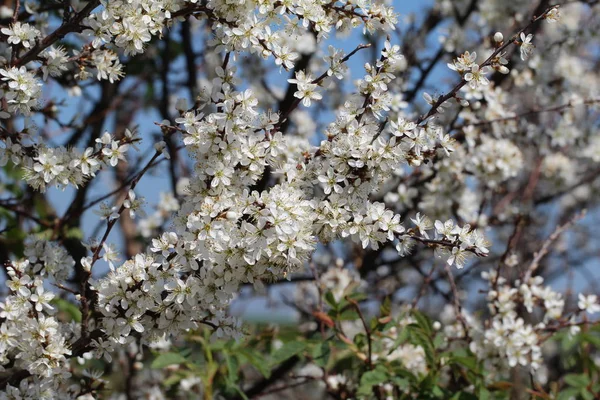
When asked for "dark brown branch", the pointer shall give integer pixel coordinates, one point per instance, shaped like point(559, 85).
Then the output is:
point(73, 25)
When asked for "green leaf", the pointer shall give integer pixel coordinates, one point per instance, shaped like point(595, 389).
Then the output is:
point(239, 391)
point(569, 341)
point(74, 233)
point(372, 378)
point(402, 383)
point(577, 380)
point(288, 350)
point(185, 352)
point(68, 308)
point(428, 382)
point(468, 362)
point(439, 340)
point(232, 368)
point(220, 345)
point(348, 315)
point(419, 337)
point(464, 396)
point(386, 307)
point(330, 300)
point(595, 340)
point(166, 359)
point(256, 360)
point(586, 394)
point(568, 394)
point(423, 322)
point(484, 394)
point(438, 392)
point(172, 380)
point(403, 336)
point(356, 296)
point(320, 354)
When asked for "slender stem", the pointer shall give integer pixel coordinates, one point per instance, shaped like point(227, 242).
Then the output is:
point(367, 331)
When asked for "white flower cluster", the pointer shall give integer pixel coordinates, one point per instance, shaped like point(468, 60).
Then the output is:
point(59, 166)
point(236, 224)
point(22, 90)
point(21, 34)
point(103, 63)
point(411, 356)
point(452, 241)
point(465, 65)
point(511, 341)
point(20, 86)
point(242, 25)
point(55, 62)
point(337, 281)
point(588, 303)
point(495, 161)
point(464, 239)
point(31, 339)
point(167, 205)
point(131, 24)
point(526, 46)
point(227, 235)
point(559, 168)
point(445, 184)
point(592, 150)
point(47, 259)
point(239, 27)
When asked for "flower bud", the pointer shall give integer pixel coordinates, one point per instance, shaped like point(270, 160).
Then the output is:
point(498, 37)
point(86, 263)
point(160, 146)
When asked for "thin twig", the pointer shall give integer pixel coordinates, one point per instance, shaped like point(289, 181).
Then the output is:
point(546, 245)
point(367, 331)
point(456, 300)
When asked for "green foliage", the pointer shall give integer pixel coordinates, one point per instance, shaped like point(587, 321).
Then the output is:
point(372, 378)
point(167, 359)
point(287, 351)
point(70, 310)
point(369, 371)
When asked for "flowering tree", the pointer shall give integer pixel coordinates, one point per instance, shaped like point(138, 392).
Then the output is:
point(422, 216)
